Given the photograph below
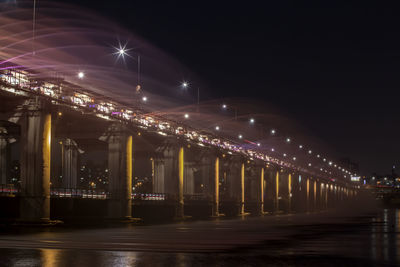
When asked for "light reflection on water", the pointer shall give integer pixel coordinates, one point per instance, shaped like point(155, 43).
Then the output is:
point(374, 243)
point(385, 229)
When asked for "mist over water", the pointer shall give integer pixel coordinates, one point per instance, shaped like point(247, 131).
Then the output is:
point(357, 233)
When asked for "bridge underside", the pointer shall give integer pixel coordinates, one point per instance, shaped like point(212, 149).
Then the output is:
point(145, 170)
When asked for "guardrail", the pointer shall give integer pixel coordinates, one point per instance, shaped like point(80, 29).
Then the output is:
point(77, 193)
point(101, 194)
point(150, 196)
point(6, 189)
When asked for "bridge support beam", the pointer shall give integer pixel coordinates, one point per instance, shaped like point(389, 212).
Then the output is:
point(35, 164)
point(215, 206)
point(169, 172)
point(3, 159)
point(315, 195)
point(120, 175)
point(276, 195)
point(242, 192)
point(69, 163)
point(236, 176)
point(308, 194)
point(261, 192)
point(289, 193)
point(188, 181)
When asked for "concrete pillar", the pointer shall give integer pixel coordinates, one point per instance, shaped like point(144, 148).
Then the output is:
point(159, 178)
point(315, 195)
point(120, 175)
point(289, 196)
point(241, 208)
point(269, 189)
point(276, 191)
point(69, 164)
point(181, 165)
point(188, 182)
point(261, 196)
point(35, 164)
point(169, 172)
point(215, 207)
point(3, 159)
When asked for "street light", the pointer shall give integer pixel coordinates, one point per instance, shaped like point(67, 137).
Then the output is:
point(186, 116)
point(122, 51)
point(144, 98)
point(217, 128)
point(240, 136)
point(288, 140)
point(225, 106)
point(273, 131)
point(186, 85)
point(251, 120)
point(81, 75)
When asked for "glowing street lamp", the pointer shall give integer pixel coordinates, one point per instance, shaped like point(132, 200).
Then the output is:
point(81, 75)
point(240, 136)
point(258, 144)
point(144, 98)
point(224, 106)
point(252, 120)
point(273, 131)
point(121, 51)
point(217, 128)
point(186, 116)
point(185, 84)
point(300, 146)
point(288, 140)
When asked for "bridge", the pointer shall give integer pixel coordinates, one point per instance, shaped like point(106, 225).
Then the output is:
point(49, 117)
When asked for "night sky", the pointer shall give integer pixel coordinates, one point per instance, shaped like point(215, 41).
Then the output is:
point(333, 67)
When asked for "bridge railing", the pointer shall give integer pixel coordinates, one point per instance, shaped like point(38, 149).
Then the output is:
point(8, 189)
point(77, 193)
point(150, 196)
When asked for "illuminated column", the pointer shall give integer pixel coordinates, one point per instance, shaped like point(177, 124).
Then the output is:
point(35, 164)
point(181, 166)
point(277, 191)
point(215, 208)
point(120, 175)
point(241, 209)
point(308, 194)
point(261, 197)
point(289, 192)
point(69, 163)
point(315, 195)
